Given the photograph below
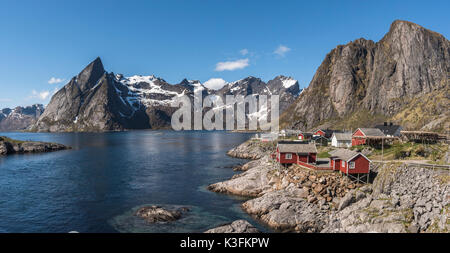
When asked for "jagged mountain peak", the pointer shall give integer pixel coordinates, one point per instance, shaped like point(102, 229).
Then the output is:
point(185, 81)
point(286, 81)
point(404, 31)
point(88, 77)
point(403, 25)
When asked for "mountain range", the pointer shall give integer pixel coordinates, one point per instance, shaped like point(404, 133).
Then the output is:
point(20, 117)
point(96, 100)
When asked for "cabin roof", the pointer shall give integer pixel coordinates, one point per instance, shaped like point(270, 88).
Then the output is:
point(343, 154)
point(297, 148)
point(388, 129)
point(343, 136)
point(371, 132)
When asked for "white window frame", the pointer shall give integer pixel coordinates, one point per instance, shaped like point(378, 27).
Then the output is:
point(343, 164)
point(351, 165)
point(288, 156)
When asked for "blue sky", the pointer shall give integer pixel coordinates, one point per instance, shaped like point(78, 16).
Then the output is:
point(186, 39)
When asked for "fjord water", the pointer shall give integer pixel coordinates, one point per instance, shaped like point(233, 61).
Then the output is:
point(106, 175)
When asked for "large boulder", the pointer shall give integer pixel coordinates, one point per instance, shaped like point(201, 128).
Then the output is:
point(283, 211)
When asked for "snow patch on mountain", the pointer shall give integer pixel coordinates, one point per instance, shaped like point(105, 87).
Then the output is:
point(288, 82)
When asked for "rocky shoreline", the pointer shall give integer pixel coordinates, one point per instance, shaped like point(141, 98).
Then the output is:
point(9, 146)
point(238, 226)
point(252, 150)
point(400, 199)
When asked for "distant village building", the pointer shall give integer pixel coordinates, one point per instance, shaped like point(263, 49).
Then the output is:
point(351, 163)
point(341, 140)
point(390, 130)
point(304, 136)
point(320, 140)
point(296, 153)
point(266, 137)
point(365, 135)
point(327, 133)
point(289, 132)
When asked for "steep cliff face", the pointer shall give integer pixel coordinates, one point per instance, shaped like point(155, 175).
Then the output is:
point(19, 118)
point(87, 103)
point(379, 79)
point(95, 100)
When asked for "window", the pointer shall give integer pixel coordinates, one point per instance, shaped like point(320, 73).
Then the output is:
point(351, 165)
point(343, 164)
point(288, 156)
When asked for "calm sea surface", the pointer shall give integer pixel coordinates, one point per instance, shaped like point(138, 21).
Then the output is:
point(96, 186)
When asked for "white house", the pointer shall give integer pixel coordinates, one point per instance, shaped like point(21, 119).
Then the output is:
point(341, 140)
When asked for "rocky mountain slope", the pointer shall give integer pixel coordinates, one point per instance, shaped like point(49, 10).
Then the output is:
point(96, 100)
point(19, 118)
point(403, 77)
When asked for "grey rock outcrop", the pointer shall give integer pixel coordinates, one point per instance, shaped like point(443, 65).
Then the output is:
point(404, 199)
point(284, 211)
point(251, 183)
point(238, 226)
point(153, 214)
point(252, 149)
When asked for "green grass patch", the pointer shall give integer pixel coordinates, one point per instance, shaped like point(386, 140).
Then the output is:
point(7, 139)
point(324, 154)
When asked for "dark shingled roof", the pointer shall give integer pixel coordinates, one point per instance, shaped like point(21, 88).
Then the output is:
point(297, 148)
point(372, 131)
point(388, 129)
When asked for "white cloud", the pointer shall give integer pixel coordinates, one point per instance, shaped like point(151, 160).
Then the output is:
point(43, 95)
point(215, 83)
point(55, 80)
point(244, 51)
point(5, 100)
point(282, 50)
point(232, 65)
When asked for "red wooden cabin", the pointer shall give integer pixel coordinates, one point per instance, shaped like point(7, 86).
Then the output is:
point(349, 162)
point(360, 136)
point(319, 132)
point(304, 136)
point(298, 153)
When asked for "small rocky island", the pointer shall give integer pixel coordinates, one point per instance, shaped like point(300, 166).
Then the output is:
point(154, 214)
point(10, 146)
